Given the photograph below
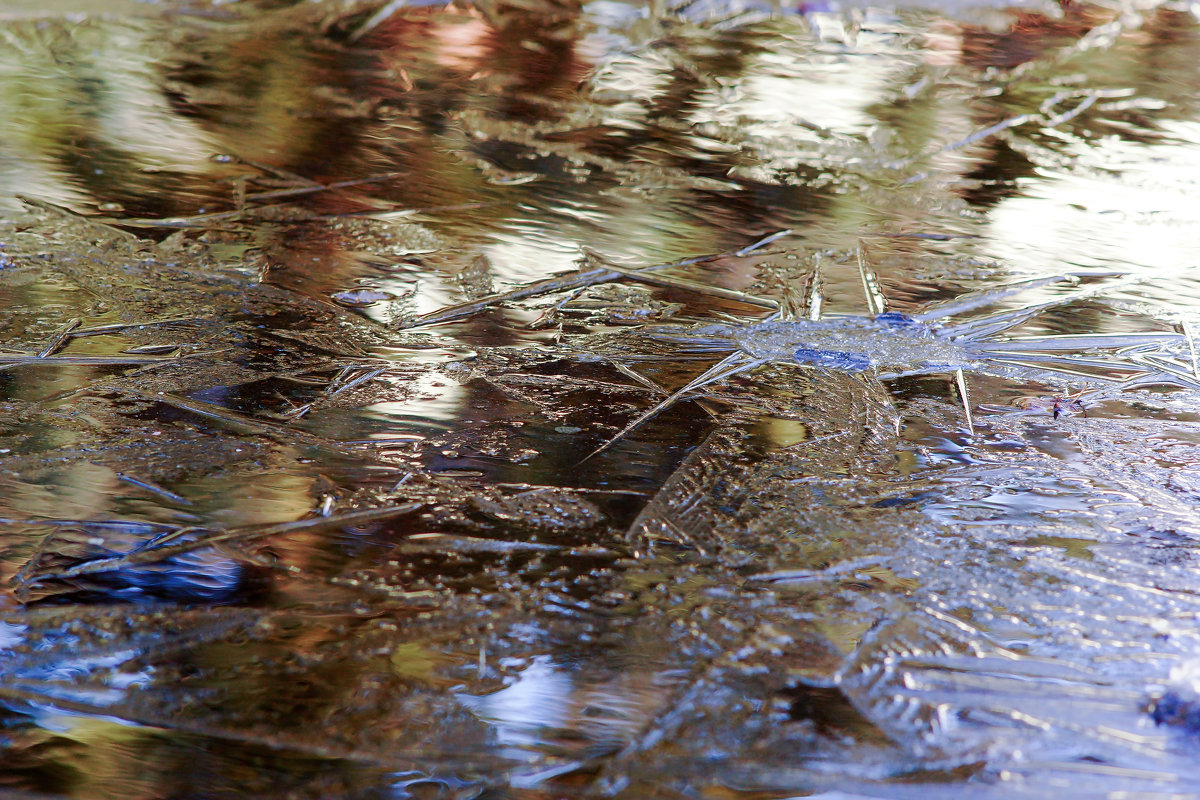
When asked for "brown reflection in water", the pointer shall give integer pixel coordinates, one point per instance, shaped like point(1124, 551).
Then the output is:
point(1018, 59)
point(1029, 35)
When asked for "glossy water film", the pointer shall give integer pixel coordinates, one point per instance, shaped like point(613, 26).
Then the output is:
point(550, 400)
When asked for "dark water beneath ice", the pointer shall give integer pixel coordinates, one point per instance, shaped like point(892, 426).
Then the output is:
point(264, 533)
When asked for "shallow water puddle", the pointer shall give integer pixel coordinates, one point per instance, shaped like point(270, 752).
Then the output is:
point(547, 400)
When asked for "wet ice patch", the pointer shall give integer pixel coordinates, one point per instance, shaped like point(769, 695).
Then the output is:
point(1179, 705)
point(355, 298)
